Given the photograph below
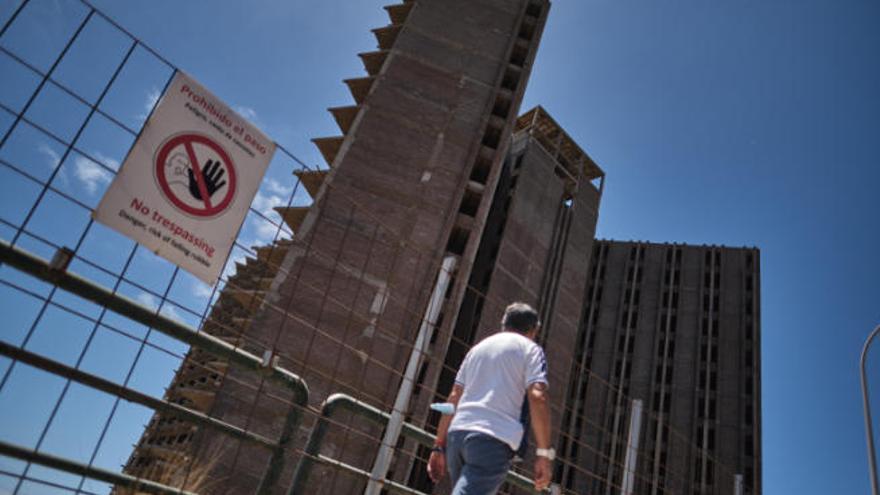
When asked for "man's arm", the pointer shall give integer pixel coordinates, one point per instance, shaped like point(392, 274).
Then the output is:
point(437, 461)
point(443, 426)
point(539, 408)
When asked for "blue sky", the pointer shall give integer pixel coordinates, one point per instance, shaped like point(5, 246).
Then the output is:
point(728, 122)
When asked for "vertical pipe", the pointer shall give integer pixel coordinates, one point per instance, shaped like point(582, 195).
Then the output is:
point(632, 449)
point(395, 423)
point(738, 484)
point(869, 428)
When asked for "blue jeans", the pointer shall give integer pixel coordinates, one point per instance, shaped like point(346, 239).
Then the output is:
point(477, 462)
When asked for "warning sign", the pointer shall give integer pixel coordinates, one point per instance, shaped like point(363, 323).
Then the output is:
point(185, 187)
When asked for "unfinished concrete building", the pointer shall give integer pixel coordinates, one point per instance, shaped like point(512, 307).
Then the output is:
point(677, 327)
point(535, 248)
point(437, 187)
point(410, 184)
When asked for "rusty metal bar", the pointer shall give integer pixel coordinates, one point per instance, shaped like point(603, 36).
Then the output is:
point(343, 402)
point(54, 273)
point(130, 395)
point(60, 463)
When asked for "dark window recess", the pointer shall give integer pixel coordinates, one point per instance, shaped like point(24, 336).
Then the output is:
point(519, 53)
point(502, 105)
point(633, 321)
point(457, 241)
point(492, 136)
point(533, 10)
point(527, 30)
point(480, 172)
point(511, 78)
point(470, 203)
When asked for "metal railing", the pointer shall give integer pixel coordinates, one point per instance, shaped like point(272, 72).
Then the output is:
point(55, 273)
point(341, 402)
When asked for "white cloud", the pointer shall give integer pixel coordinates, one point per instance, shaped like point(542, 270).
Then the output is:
point(266, 231)
point(237, 257)
point(147, 300)
point(264, 203)
point(53, 157)
point(248, 113)
point(152, 302)
point(91, 174)
point(276, 187)
point(153, 96)
point(171, 312)
point(202, 290)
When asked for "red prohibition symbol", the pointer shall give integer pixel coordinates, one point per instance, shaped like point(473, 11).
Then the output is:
point(200, 188)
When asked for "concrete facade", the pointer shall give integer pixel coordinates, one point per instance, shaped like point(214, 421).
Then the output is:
point(433, 163)
point(410, 182)
point(677, 327)
point(535, 249)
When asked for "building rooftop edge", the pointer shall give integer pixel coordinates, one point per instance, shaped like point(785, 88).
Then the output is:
point(683, 244)
point(554, 138)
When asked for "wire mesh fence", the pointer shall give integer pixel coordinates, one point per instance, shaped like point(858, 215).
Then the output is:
point(342, 320)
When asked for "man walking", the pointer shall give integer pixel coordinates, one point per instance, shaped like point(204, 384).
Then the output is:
point(494, 379)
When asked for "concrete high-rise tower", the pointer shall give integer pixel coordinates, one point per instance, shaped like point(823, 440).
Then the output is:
point(411, 182)
point(677, 327)
point(435, 178)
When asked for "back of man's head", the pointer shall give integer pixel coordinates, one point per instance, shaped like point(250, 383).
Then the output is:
point(520, 317)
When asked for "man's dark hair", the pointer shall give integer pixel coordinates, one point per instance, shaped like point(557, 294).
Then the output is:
point(521, 317)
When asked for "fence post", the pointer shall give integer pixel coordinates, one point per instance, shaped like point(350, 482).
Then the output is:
point(632, 448)
point(401, 403)
point(866, 404)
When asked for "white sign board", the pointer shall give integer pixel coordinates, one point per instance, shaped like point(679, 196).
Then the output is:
point(187, 182)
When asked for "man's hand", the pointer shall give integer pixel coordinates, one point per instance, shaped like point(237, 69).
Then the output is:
point(542, 473)
point(437, 466)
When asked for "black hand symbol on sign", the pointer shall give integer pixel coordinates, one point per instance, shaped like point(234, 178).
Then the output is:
point(211, 175)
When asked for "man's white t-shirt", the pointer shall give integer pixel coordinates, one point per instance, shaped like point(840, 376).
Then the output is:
point(495, 375)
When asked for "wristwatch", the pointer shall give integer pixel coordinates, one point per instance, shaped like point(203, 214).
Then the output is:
point(550, 454)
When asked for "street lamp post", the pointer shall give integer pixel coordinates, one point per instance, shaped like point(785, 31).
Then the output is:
point(869, 429)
